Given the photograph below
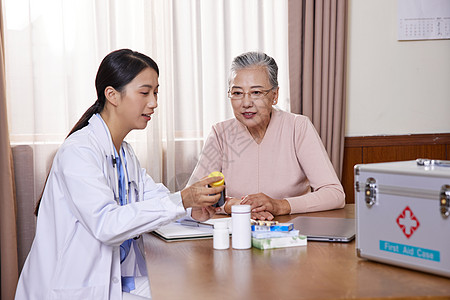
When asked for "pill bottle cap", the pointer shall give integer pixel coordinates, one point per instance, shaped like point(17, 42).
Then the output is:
point(217, 183)
point(240, 208)
point(220, 225)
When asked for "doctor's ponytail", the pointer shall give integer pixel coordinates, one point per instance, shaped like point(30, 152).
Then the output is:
point(84, 120)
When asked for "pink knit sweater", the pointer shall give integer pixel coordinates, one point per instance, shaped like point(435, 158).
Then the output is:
point(290, 163)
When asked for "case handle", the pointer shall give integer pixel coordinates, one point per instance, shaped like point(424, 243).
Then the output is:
point(432, 162)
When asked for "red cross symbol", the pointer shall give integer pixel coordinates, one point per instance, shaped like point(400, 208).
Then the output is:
point(408, 222)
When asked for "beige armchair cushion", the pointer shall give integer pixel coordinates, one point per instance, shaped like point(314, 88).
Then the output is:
point(25, 197)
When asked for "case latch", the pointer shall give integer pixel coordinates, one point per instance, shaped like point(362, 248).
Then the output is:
point(370, 191)
point(445, 200)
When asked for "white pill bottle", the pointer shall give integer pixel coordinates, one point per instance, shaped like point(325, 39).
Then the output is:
point(221, 237)
point(242, 232)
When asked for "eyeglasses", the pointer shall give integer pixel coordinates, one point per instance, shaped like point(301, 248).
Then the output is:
point(253, 94)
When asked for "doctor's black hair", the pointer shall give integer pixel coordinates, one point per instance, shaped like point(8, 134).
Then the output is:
point(117, 69)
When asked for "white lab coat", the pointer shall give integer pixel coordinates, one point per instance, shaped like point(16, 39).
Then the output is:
point(75, 253)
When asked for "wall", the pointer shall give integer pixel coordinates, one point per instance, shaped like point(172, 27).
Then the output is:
point(393, 88)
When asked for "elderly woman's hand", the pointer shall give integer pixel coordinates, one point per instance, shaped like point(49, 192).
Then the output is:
point(262, 215)
point(261, 202)
point(202, 214)
point(229, 201)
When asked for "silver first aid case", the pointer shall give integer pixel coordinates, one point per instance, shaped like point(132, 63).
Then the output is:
point(402, 214)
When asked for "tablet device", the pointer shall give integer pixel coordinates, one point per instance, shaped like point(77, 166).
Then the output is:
point(325, 229)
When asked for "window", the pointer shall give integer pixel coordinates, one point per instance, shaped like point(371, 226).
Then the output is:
point(53, 49)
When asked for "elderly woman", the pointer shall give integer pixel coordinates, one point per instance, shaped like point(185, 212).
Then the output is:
point(273, 160)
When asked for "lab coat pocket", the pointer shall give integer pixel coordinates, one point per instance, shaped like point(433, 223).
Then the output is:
point(89, 292)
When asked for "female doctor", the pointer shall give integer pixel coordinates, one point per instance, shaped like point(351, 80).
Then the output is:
point(97, 200)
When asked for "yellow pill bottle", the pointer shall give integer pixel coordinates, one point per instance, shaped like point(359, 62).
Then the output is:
point(221, 201)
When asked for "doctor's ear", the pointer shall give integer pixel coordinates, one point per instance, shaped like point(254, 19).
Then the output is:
point(111, 95)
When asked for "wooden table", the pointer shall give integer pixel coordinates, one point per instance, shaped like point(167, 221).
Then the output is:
point(194, 270)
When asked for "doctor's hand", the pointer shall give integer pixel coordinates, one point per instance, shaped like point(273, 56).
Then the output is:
point(262, 203)
point(200, 195)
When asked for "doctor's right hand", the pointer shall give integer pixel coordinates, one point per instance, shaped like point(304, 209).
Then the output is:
point(200, 195)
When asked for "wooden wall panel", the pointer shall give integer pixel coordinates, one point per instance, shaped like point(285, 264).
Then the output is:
point(352, 156)
point(373, 149)
point(408, 152)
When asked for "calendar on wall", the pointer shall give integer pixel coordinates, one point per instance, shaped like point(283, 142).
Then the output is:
point(423, 19)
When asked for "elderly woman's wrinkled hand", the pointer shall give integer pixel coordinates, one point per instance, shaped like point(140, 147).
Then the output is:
point(202, 214)
point(262, 203)
point(263, 215)
point(229, 201)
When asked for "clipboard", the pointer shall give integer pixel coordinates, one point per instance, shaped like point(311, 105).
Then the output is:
point(179, 231)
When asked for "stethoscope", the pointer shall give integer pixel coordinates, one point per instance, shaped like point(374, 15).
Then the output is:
point(116, 170)
point(116, 176)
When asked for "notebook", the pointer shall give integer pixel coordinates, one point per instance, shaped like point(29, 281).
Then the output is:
point(326, 229)
point(188, 230)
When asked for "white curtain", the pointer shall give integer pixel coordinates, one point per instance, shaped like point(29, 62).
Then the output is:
point(54, 47)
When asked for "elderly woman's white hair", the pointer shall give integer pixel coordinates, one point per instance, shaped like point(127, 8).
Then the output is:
point(252, 59)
